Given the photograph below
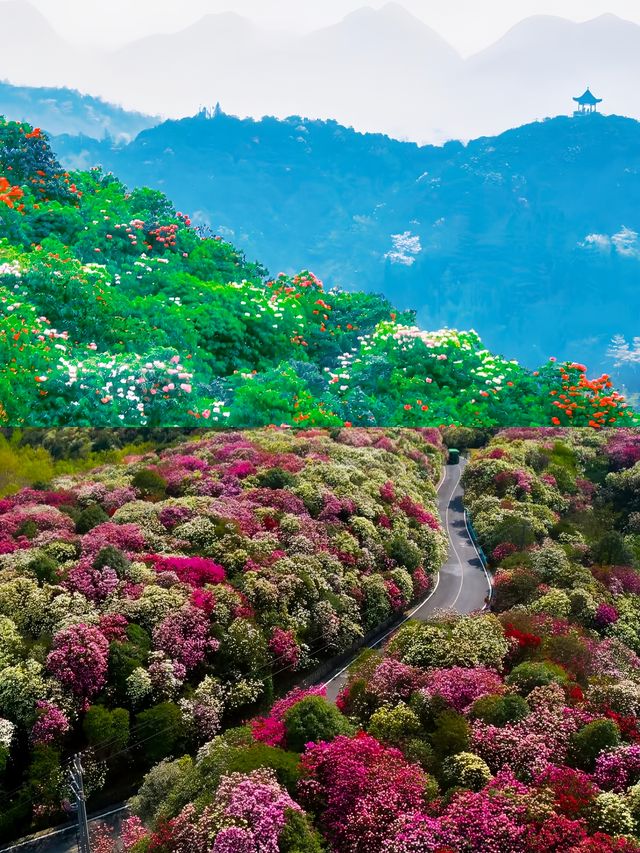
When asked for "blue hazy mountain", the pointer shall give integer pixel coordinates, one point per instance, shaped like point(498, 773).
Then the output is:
point(530, 237)
point(68, 111)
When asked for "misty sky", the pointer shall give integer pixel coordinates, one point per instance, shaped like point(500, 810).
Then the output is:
point(468, 25)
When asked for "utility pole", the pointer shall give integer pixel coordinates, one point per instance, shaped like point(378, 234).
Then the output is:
point(80, 806)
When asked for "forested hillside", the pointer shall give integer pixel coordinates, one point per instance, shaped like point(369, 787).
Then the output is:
point(116, 311)
point(530, 237)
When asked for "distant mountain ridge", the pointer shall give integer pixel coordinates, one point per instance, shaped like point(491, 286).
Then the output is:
point(377, 69)
point(530, 237)
point(68, 111)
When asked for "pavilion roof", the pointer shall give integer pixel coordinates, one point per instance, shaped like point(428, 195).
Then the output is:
point(588, 98)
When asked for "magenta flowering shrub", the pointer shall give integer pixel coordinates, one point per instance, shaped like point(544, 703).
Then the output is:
point(284, 648)
point(619, 768)
point(492, 820)
point(79, 659)
point(605, 615)
point(623, 448)
point(195, 571)
point(358, 788)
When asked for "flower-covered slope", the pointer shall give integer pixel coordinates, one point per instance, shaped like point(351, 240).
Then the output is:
point(160, 599)
point(115, 311)
point(516, 731)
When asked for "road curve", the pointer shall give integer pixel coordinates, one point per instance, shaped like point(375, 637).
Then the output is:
point(462, 584)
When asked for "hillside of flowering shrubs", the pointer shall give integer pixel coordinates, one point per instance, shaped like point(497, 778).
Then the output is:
point(148, 605)
point(115, 311)
point(511, 731)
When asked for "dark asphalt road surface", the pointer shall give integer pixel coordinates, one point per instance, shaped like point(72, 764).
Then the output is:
point(462, 584)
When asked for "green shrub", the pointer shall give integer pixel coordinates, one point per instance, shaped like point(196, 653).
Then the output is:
point(28, 528)
point(163, 731)
point(394, 725)
point(157, 786)
point(299, 836)
point(44, 568)
point(592, 739)
point(149, 483)
point(126, 656)
point(451, 734)
point(405, 552)
point(500, 710)
point(312, 720)
point(89, 518)
point(530, 674)
point(107, 731)
point(114, 558)
point(275, 478)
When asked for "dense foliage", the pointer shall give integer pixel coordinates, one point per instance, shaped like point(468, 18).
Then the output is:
point(519, 236)
point(115, 311)
point(148, 604)
point(513, 731)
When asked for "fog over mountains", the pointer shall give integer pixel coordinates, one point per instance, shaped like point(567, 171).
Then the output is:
point(377, 70)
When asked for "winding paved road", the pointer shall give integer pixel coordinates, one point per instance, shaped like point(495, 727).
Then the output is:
point(462, 585)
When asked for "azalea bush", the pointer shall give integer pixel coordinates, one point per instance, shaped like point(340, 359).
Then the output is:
point(98, 283)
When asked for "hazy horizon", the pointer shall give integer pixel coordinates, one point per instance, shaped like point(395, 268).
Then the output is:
point(395, 68)
point(466, 26)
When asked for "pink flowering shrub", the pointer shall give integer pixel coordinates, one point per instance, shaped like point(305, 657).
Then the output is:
point(460, 686)
point(284, 648)
point(259, 805)
point(393, 680)
point(358, 788)
point(127, 537)
point(79, 659)
point(51, 724)
point(490, 821)
point(619, 768)
point(95, 584)
point(184, 637)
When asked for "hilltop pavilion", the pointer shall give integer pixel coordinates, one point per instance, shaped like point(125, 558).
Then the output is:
point(587, 103)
